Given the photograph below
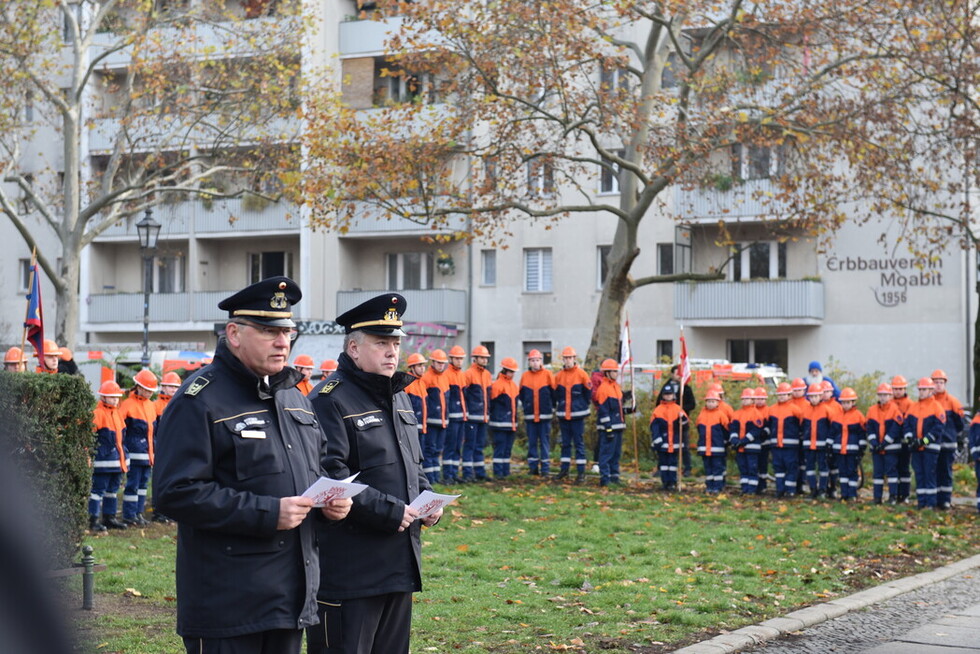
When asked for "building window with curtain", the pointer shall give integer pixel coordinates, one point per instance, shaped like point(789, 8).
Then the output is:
point(537, 270)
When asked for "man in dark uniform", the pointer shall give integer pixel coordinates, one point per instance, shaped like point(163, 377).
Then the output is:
point(238, 445)
point(372, 560)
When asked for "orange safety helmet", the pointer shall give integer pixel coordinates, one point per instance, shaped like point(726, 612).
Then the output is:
point(534, 354)
point(815, 389)
point(939, 373)
point(826, 386)
point(438, 356)
point(66, 354)
point(608, 365)
point(170, 379)
point(748, 393)
point(717, 388)
point(328, 365)
point(110, 388)
point(14, 355)
point(761, 394)
point(458, 351)
point(712, 395)
point(415, 359)
point(509, 364)
point(569, 352)
point(480, 351)
point(848, 393)
point(146, 379)
point(303, 361)
point(899, 382)
point(50, 347)
point(784, 389)
point(798, 385)
point(926, 382)
point(884, 389)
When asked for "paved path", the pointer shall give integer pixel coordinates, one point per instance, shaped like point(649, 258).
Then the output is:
point(935, 612)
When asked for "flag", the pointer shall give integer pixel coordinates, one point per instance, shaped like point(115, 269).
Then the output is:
point(33, 320)
point(685, 369)
point(625, 350)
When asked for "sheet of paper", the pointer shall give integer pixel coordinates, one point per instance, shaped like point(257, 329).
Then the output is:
point(325, 489)
point(428, 502)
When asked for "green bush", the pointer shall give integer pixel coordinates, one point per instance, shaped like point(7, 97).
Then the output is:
point(48, 424)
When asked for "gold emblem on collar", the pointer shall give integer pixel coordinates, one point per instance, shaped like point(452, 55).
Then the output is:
point(329, 386)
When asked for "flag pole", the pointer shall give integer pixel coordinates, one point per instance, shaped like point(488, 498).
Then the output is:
point(685, 371)
point(27, 309)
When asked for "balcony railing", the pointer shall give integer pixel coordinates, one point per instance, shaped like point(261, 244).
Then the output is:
point(441, 306)
point(760, 302)
point(369, 221)
point(220, 217)
point(118, 308)
point(751, 200)
point(366, 37)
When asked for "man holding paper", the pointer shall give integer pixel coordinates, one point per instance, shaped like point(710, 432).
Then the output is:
point(370, 562)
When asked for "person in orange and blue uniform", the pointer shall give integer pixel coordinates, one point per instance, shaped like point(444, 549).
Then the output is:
point(816, 436)
point(903, 403)
point(745, 437)
point(712, 426)
point(849, 441)
point(452, 452)
point(110, 460)
point(14, 360)
point(884, 441)
point(667, 434)
point(538, 400)
point(168, 386)
point(762, 404)
point(923, 430)
point(436, 382)
point(503, 417)
point(834, 411)
point(52, 355)
point(327, 368)
point(975, 452)
point(610, 422)
point(798, 397)
point(476, 395)
point(417, 392)
point(785, 435)
point(955, 422)
point(139, 415)
point(303, 363)
point(573, 402)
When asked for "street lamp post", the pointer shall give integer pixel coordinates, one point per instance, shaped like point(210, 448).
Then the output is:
point(148, 230)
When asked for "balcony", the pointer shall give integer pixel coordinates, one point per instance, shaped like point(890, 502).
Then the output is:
point(441, 306)
point(751, 303)
point(123, 310)
point(175, 132)
point(371, 222)
point(222, 218)
point(359, 38)
point(749, 201)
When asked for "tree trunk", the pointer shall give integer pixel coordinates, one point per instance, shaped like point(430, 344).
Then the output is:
point(975, 399)
point(615, 292)
point(66, 296)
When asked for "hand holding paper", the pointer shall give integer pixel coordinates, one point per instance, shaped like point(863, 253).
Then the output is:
point(324, 490)
point(428, 503)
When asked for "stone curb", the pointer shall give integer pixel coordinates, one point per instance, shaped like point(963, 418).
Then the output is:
point(735, 641)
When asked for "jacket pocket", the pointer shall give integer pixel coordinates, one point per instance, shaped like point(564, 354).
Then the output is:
point(257, 452)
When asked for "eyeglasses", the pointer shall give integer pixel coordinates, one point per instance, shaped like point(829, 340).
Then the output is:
point(271, 333)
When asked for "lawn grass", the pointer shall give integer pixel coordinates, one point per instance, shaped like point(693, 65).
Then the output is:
point(526, 565)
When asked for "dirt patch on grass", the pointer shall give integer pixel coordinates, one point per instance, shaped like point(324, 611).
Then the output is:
point(116, 614)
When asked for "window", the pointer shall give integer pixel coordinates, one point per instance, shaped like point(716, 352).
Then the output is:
point(262, 265)
point(24, 274)
point(410, 270)
point(393, 86)
point(29, 107)
point(665, 350)
point(609, 175)
point(759, 260)
point(540, 178)
point(537, 270)
point(614, 80)
point(771, 351)
point(544, 347)
point(757, 161)
point(602, 265)
point(665, 258)
point(169, 273)
point(671, 72)
point(488, 267)
point(67, 33)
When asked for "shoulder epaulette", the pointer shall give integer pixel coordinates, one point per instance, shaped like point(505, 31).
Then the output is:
point(197, 385)
point(329, 386)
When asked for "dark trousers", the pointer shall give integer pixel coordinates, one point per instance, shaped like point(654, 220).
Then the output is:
point(572, 435)
point(538, 446)
point(610, 451)
point(714, 473)
point(275, 641)
point(134, 495)
point(366, 625)
point(904, 472)
point(785, 463)
point(103, 499)
point(847, 464)
point(452, 450)
point(884, 470)
point(432, 443)
point(816, 470)
point(924, 466)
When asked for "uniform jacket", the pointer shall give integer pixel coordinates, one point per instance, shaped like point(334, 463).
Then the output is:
point(160, 404)
point(665, 427)
point(727, 409)
point(503, 404)
point(455, 381)
point(304, 386)
point(848, 433)
point(882, 425)
point(785, 425)
point(476, 392)
point(110, 454)
point(764, 415)
point(975, 438)
point(140, 415)
point(231, 445)
point(816, 428)
point(371, 431)
point(538, 395)
point(712, 432)
point(417, 393)
point(954, 419)
point(903, 404)
point(746, 429)
point(436, 396)
point(689, 403)
point(573, 396)
point(609, 406)
point(925, 424)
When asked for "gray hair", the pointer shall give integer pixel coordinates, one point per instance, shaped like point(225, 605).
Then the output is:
point(357, 336)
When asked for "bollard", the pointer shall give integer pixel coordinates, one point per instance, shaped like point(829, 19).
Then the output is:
point(88, 578)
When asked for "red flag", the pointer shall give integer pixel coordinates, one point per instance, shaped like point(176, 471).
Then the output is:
point(33, 320)
point(685, 368)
